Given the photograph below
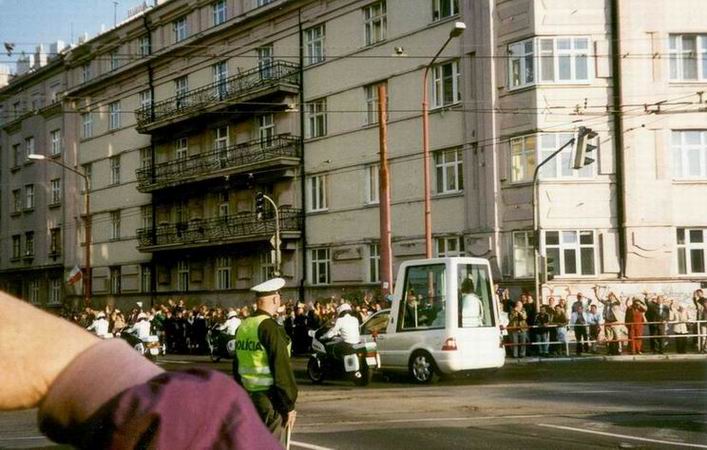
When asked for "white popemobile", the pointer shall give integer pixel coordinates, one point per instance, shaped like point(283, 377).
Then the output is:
point(443, 319)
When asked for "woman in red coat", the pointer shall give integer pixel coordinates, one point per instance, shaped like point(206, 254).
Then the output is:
point(635, 319)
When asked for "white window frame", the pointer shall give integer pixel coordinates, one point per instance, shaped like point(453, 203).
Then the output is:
point(223, 273)
point(16, 246)
point(537, 62)
point(320, 264)
point(29, 148)
point(221, 138)
point(115, 274)
point(29, 196)
point(314, 41)
point(374, 261)
point(267, 266)
point(183, 273)
point(86, 125)
point(375, 22)
point(449, 170)
point(564, 246)
point(55, 189)
point(439, 6)
point(224, 205)
point(181, 148)
point(55, 142)
point(115, 225)
point(259, 3)
point(440, 87)
point(266, 57)
point(219, 73)
point(114, 115)
point(687, 248)
point(115, 59)
point(371, 93)
point(86, 72)
point(146, 216)
point(55, 290)
point(219, 12)
point(372, 184)
point(523, 254)
point(33, 291)
point(143, 45)
point(29, 243)
point(316, 113)
point(684, 150)
point(181, 86)
point(17, 200)
point(266, 130)
point(317, 189)
point(523, 158)
point(145, 99)
point(449, 246)
point(145, 157)
point(679, 55)
point(114, 169)
point(55, 241)
point(179, 29)
point(17, 155)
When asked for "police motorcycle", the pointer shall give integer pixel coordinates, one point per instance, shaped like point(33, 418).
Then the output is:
point(357, 363)
point(221, 344)
point(148, 346)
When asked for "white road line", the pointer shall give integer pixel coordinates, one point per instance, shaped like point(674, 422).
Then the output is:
point(22, 438)
point(429, 419)
point(309, 446)
point(623, 436)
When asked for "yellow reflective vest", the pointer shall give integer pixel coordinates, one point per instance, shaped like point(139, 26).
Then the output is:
point(253, 364)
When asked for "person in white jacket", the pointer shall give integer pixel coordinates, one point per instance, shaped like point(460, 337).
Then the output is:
point(231, 324)
point(141, 328)
point(346, 330)
point(100, 325)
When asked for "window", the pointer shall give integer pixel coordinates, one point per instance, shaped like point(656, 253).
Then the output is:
point(218, 10)
point(267, 267)
point(223, 273)
point(314, 45)
point(445, 84)
point(372, 102)
point(16, 246)
point(449, 246)
point(220, 75)
point(115, 169)
point(55, 241)
point(17, 156)
point(88, 171)
point(688, 57)
point(114, 116)
point(16, 201)
point(55, 191)
point(424, 295)
point(527, 151)
point(317, 193)
point(115, 225)
point(85, 72)
point(449, 171)
point(146, 157)
point(146, 216)
point(143, 46)
point(29, 148)
point(266, 130)
point(145, 278)
point(223, 204)
point(55, 142)
point(444, 8)
point(571, 252)
point(689, 154)
point(179, 28)
point(556, 60)
point(29, 244)
point(181, 148)
point(320, 266)
point(181, 89)
point(372, 184)
point(55, 285)
point(220, 138)
point(316, 118)
point(145, 99)
point(33, 291)
point(115, 280)
point(29, 196)
point(260, 3)
point(114, 59)
point(475, 296)
point(86, 125)
point(692, 250)
point(265, 60)
point(375, 22)
point(374, 261)
point(183, 276)
point(523, 254)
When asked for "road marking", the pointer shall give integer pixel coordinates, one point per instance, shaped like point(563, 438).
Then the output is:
point(428, 419)
point(623, 436)
point(309, 446)
point(22, 438)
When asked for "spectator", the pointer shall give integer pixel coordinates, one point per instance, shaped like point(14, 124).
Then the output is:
point(518, 327)
point(301, 342)
point(612, 328)
point(581, 301)
point(700, 302)
point(559, 319)
point(681, 318)
point(580, 320)
point(531, 312)
point(594, 327)
point(635, 319)
point(658, 315)
point(554, 346)
point(542, 320)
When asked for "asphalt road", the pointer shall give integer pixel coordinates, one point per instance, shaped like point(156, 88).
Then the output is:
point(578, 404)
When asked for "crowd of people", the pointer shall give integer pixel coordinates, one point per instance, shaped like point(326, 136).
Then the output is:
point(620, 324)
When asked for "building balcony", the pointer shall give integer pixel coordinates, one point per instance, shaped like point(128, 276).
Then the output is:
point(279, 151)
point(254, 84)
point(233, 229)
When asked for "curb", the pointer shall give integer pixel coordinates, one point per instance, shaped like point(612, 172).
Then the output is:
point(534, 359)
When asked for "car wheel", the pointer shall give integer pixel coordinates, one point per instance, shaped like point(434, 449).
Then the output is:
point(315, 370)
point(422, 368)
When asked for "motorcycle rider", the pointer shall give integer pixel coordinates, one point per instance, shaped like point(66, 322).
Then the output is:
point(100, 325)
point(231, 324)
point(346, 330)
point(141, 328)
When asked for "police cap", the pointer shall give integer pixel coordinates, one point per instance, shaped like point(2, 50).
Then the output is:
point(269, 287)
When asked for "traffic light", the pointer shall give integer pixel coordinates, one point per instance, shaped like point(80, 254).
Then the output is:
point(259, 204)
point(582, 147)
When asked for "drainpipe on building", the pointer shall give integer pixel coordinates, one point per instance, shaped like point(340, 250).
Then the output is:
point(617, 100)
point(303, 183)
point(153, 224)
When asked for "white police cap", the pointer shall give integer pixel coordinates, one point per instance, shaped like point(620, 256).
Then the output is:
point(268, 287)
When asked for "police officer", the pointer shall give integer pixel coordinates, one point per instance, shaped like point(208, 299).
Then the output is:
point(262, 362)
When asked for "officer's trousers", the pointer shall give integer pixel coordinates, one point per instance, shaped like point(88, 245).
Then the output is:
point(272, 419)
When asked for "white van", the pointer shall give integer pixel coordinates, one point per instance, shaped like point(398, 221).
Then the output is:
point(443, 319)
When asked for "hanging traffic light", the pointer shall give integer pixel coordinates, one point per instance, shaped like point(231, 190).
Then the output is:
point(582, 147)
point(259, 204)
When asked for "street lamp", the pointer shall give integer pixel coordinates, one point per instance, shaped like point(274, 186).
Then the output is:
point(458, 29)
point(87, 222)
point(275, 241)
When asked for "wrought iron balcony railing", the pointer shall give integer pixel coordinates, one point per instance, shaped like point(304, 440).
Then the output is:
point(226, 91)
point(232, 159)
point(245, 227)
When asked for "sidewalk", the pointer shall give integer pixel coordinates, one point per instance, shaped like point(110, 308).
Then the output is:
point(595, 357)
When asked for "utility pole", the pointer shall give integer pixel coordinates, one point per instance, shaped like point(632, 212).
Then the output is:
point(386, 251)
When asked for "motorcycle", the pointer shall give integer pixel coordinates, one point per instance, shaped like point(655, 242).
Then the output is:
point(149, 347)
point(221, 345)
point(357, 365)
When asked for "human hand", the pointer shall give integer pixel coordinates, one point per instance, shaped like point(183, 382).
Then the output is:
point(34, 348)
point(291, 417)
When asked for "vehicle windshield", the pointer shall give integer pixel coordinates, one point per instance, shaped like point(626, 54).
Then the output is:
point(424, 297)
point(376, 324)
point(475, 296)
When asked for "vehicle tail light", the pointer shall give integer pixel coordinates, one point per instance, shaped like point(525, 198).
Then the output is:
point(502, 327)
point(449, 345)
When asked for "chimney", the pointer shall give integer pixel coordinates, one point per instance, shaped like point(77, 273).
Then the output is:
point(40, 56)
point(4, 75)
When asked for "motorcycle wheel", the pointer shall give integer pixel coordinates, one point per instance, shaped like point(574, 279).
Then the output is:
point(366, 374)
point(140, 348)
point(315, 371)
point(215, 357)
